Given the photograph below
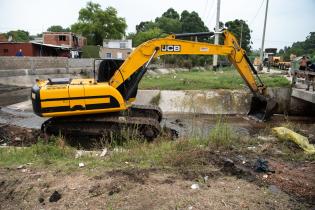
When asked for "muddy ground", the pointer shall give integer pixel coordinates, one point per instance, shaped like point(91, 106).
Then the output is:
point(227, 179)
point(13, 94)
point(221, 186)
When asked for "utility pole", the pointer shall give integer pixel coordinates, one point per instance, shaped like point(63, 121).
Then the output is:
point(241, 39)
point(216, 38)
point(263, 38)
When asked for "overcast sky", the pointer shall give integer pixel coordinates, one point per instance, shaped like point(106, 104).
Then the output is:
point(288, 20)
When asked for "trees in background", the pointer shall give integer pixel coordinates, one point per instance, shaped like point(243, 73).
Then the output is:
point(19, 36)
point(97, 24)
point(169, 22)
point(306, 47)
point(58, 28)
point(241, 31)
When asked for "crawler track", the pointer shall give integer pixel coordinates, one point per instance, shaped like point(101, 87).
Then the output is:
point(137, 121)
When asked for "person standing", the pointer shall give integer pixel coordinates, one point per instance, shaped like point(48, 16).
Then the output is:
point(19, 53)
point(303, 63)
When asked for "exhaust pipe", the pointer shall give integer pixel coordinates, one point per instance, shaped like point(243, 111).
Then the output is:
point(262, 108)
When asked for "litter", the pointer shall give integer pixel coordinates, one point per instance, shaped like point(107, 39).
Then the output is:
point(261, 165)
point(287, 134)
point(194, 186)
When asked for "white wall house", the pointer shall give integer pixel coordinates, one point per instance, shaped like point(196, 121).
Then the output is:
point(116, 49)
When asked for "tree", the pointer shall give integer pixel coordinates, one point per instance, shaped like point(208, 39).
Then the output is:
point(97, 24)
point(145, 25)
point(19, 35)
point(238, 27)
point(171, 13)
point(306, 47)
point(191, 22)
point(58, 28)
point(169, 25)
point(143, 36)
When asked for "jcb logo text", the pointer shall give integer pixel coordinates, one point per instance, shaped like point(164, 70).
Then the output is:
point(170, 48)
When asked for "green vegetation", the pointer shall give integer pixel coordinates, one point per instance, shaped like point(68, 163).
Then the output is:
point(90, 51)
point(156, 99)
point(203, 80)
point(58, 28)
point(301, 48)
point(191, 153)
point(97, 24)
point(19, 35)
point(161, 153)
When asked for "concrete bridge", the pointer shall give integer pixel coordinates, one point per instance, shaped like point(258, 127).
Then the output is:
point(304, 85)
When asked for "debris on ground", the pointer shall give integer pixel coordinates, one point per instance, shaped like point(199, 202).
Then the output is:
point(56, 196)
point(194, 186)
point(286, 134)
point(104, 152)
point(41, 199)
point(81, 165)
point(261, 165)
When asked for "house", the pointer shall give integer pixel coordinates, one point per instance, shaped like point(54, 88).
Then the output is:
point(33, 49)
point(67, 39)
point(116, 49)
point(58, 44)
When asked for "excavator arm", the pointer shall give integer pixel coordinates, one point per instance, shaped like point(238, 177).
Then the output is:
point(136, 64)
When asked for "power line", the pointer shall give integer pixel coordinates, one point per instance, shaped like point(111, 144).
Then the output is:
point(211, 11)
point(254, 18)
point(205, 10)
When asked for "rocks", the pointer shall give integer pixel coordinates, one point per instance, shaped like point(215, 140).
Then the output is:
point(56, 196)
point(41, 199)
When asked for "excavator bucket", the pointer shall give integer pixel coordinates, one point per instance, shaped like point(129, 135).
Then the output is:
point(262, 108)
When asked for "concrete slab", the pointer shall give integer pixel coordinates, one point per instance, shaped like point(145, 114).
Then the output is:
point(304, 95)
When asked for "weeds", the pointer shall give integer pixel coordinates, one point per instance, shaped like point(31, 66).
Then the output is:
point(156, 99)
point(40, 152)
point(222, 135)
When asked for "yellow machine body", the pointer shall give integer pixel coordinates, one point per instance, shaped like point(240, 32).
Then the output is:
point(75, 97)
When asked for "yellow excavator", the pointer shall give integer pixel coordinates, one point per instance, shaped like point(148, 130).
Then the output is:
point(105, 105)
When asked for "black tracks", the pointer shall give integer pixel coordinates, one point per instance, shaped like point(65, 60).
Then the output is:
point(138, 121)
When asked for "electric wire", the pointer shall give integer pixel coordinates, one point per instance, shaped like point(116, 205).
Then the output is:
point(254, 18)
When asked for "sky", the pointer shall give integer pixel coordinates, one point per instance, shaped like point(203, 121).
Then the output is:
point(288, 20)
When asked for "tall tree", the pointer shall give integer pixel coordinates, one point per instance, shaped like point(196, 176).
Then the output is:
point(240, 29)
point(191, 22)
point(171, 13)
point(169, 25)
point(143, 36)
point(145, 25)
point(58, 28)
point(98, 24)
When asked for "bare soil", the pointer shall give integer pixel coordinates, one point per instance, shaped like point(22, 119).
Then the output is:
point(232, 181)
point(130, 188)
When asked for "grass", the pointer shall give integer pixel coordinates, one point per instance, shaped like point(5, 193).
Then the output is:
point(192, 153)
point(202, 80)
point(136, 152)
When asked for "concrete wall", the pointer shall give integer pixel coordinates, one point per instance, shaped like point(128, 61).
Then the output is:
point(210, 101)
point(23, 71)
point(7, 63)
